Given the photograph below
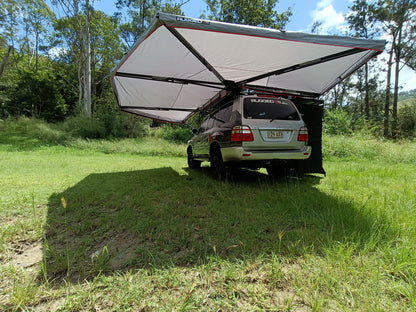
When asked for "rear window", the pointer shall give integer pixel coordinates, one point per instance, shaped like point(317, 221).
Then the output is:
point(269, 108)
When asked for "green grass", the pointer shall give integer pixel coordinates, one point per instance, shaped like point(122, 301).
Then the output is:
point(357, 148)
point(141, 232)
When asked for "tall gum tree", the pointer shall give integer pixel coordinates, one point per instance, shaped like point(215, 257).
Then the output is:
point(25, 26)
point(398, 18)
point(77, 14)
point(361, 19)
point(103, 42)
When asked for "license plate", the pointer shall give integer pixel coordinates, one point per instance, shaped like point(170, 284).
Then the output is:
point(275, 134)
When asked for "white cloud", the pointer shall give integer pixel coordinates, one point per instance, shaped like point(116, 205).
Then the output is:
point(56, 52)
point(407, 79)
point(333, 22)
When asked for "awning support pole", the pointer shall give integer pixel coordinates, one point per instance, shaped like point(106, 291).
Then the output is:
point(214, 85)
point(191, 49)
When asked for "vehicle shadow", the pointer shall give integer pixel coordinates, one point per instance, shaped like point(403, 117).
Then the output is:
point(156, 218)
point(246, 176)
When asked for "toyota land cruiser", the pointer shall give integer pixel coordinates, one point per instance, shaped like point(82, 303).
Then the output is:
point(251, 131)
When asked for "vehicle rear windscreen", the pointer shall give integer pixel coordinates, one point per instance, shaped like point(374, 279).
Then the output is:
point(269, 108)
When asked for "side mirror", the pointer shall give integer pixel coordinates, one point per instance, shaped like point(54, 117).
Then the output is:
point(194, 131)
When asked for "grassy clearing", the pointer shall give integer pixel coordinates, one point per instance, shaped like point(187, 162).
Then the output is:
point(138, 231)
point(368, 149)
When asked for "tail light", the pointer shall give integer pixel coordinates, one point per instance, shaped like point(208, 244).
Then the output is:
point(241, 133)
point(303, 134)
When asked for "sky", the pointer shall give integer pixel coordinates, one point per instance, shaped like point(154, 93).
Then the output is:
point(331, 13)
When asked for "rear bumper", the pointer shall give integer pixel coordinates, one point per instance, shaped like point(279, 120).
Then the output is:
point(237, 154)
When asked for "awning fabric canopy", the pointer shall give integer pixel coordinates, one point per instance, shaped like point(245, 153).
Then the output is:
point(181, 65)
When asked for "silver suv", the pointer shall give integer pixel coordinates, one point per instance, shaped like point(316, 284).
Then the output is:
point(251, 131)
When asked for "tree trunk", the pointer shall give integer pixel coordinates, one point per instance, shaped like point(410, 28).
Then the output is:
point(343, 92)
point(387, 102)
point(80, 85)
point(334, 104)
point(396, 86)
point(87, 85)
point(5, 58)
point(37, 49)
point(366, 97)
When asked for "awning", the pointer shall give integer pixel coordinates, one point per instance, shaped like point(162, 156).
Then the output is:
point(181, 65)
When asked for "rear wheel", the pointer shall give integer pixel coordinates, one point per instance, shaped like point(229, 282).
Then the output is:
point(217, 164)
point(192, 163)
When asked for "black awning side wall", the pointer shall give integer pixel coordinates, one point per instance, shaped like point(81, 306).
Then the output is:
point(312, 114)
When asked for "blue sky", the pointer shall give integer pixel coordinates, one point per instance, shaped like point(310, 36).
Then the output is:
point(330, 12)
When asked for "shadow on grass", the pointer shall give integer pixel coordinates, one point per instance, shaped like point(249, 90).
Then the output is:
point(157, 218)
point(18, 142)
point(25, 142)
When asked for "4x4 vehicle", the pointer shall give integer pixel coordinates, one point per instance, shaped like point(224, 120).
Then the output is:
point(251, 131)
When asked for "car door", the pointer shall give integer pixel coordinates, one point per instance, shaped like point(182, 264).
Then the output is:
point(201, 142)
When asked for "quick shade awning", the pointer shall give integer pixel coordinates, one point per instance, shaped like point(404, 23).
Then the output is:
point(181, 65)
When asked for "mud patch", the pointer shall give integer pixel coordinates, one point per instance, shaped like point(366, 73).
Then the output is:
point(50, 306)
point(26, 256)
point(30, 256)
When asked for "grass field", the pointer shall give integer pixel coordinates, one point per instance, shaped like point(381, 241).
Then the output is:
point(125, 226)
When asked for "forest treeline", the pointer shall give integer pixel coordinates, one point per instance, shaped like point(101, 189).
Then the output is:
point(56, 57)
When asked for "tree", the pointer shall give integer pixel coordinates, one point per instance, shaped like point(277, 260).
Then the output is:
point(37, 95)
point(85, 35)
point(250, 12)
point(141, 13)
point(4, 61)
point(337, 97)
point(37, 18)
point(316, 27)
point(398, 18)
point(25, 26)
point(105, 49)
point(76, 24)
point(87, 75)
point(409, 51)
point(407, 120)
point(9, 15)
point(361, 20)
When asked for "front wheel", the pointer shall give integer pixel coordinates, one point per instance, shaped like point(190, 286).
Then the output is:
point(217, 164)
